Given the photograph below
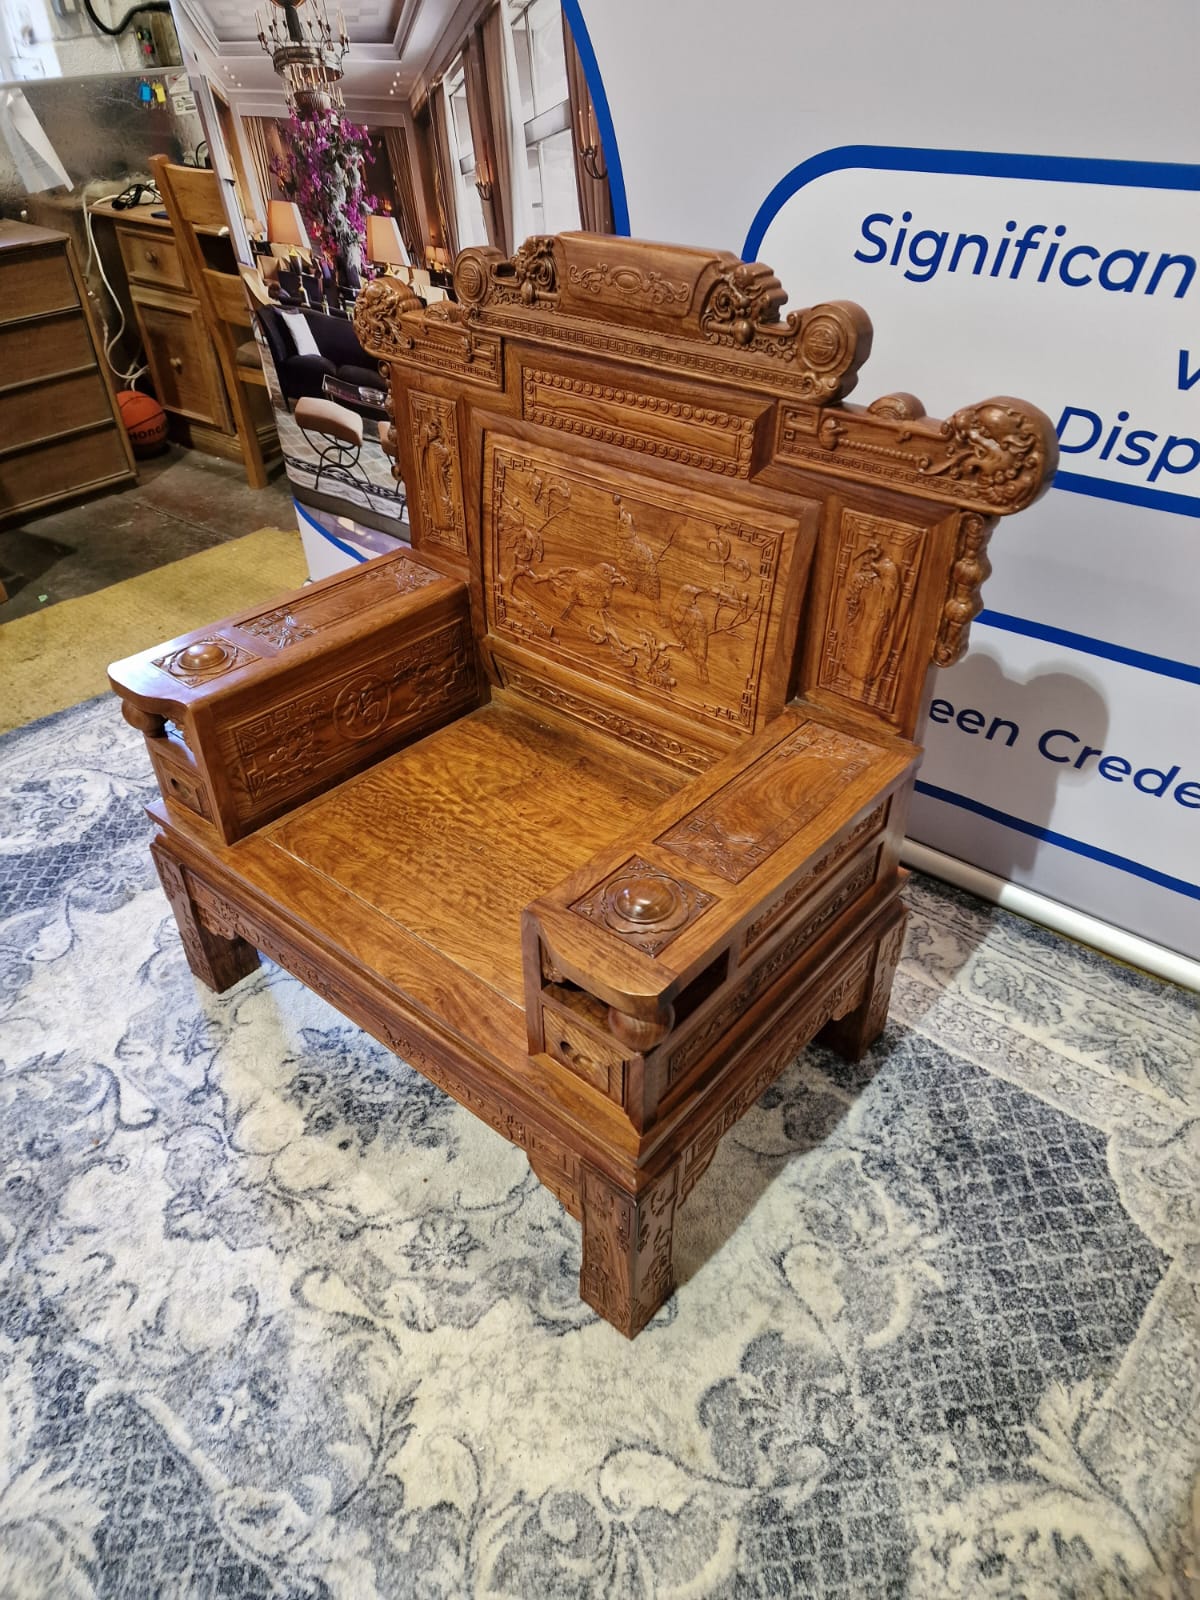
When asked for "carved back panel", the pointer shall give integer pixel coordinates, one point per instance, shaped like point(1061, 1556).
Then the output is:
point(670, 518)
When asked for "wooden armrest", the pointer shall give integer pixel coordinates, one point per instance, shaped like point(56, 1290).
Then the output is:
point(248, 718)
point(642, 964)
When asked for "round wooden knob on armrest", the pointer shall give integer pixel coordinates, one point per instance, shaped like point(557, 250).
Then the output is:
point(176, 364)
point(152, 256)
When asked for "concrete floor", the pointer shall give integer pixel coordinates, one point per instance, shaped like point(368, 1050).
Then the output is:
point(184, 501)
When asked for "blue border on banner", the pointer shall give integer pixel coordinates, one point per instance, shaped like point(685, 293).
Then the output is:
point(347, 550)
point(1128, 494)
point(1077, 847)
point(604, 121)
point(994, 164)
point(1083, 642)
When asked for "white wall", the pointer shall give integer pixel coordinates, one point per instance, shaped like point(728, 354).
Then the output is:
point(34, 43)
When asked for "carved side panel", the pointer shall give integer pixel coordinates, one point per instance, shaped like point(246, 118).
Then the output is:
point(664, 593)
point(870, 608)
point(696, 435)
point(739, 827)
point(778, 910)
point(437, 470)
point(278, 752)
point(760, 978)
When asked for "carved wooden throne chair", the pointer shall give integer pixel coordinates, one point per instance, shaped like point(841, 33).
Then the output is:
point(590, 806)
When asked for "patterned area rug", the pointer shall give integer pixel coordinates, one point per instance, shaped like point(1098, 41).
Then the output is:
point(278, 1319)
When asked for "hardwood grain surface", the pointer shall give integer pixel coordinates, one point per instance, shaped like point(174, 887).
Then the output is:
point(453, 837)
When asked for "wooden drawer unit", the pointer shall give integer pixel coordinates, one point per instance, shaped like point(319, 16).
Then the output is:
point(35, 282)
point(151, 258)
point(60, 468)
point(60, 436)
point(186, 377)
point(44, 347)
point(76, 400)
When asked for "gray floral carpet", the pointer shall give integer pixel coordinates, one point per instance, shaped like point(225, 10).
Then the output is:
point(278, 1319)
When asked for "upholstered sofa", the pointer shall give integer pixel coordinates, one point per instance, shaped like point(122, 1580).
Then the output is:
point(340, 356)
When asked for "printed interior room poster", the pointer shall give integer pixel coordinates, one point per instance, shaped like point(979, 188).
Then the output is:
point(1014, 202)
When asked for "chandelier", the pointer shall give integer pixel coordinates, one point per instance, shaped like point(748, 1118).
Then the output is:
point(306, 53)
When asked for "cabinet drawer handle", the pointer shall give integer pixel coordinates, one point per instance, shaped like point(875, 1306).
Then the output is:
point(176, 364)
point(152, 257)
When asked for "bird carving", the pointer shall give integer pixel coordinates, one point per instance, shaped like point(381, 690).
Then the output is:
point(691, 627)
point(638, 561)
point(589, 587)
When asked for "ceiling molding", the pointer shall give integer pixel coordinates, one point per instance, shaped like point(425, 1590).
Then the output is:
point(198, 24)
point(408, 16)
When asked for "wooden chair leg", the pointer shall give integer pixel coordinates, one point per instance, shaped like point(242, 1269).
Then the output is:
point(217, 961)
point(627, 1271)
point(252, 456)
point(854, 1034)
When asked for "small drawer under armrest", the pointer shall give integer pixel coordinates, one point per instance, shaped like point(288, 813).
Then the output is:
point(250, 717)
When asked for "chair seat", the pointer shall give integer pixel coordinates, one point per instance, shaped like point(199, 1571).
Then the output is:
point(330, 419)
point(247, 355)
point(448, 840)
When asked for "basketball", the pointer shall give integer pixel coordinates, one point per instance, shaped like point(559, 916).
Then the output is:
point(145, 421)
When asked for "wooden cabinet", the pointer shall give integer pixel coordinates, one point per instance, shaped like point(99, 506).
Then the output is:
point(180, 353)
point(186, 377)
point(60, 435)
point(151, 258)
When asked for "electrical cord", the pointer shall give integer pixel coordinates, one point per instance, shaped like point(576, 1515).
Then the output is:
point(135, 195)
point(113, 33)
point(110, 341)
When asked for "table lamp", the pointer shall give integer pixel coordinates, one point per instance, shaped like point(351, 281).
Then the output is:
point(285, 226)
point(384, 243)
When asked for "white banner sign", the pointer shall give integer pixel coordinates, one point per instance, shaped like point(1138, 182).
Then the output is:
point(1064, 753)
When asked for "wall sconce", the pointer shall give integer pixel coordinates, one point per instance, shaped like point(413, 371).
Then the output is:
point(591, 155)
point(483, 181)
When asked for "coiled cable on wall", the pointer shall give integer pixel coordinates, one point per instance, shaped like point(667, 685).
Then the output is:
point(104, 27)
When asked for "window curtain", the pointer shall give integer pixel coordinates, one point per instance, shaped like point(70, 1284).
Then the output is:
point(483, 137)
point(265, 145)
point(443, 177)
point(595, 197)
point(407, 217)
